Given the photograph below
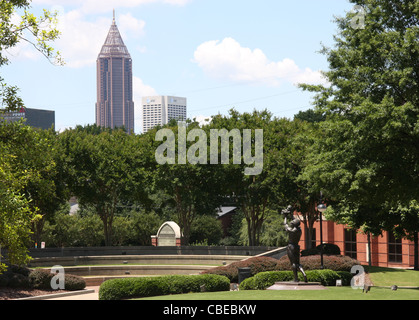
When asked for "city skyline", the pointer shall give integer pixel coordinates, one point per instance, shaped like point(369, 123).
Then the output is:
point(115, 105)
point(219, 55)
point(159, 110)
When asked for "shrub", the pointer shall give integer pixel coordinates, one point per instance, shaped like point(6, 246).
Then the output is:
point(74, 283)
point(17, 280)
point(264, 280)
point(15, 277)
point(328, 249)
point(41, 279)
point(206, 229)
point(256, 264)
point(262, 264)
point(335, 263)
point(117, 289)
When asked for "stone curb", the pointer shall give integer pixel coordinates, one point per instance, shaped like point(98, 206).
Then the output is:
point(59, 295)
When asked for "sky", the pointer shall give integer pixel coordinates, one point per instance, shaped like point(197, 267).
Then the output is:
point(242, 54)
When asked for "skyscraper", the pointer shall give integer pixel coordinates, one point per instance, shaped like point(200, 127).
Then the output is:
point(115, 105)
point(159, 110)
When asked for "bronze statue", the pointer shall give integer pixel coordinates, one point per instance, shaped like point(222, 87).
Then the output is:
point(293, 249)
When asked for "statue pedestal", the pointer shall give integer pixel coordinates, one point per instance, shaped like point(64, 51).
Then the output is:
point(291, 285)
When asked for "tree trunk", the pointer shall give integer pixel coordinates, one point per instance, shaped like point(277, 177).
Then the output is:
point(416, 248)
point(369, 248)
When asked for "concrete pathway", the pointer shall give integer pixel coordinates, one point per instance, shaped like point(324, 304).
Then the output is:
point(84, 296)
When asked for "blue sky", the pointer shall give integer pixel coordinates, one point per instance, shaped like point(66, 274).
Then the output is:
point(218, 54)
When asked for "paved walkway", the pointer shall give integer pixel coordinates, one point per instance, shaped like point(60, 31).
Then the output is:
point(86, 296)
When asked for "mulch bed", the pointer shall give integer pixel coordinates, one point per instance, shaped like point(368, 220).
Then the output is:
point(12, 294)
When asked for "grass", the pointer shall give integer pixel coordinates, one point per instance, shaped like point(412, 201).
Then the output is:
point(331, 293)
point(389, 276)
point(383, 279)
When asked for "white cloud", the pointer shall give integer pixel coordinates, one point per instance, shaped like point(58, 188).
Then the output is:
point(202, 120)
point(81, 40)
point(229, 60)
point(140, 90)
point(102, 6)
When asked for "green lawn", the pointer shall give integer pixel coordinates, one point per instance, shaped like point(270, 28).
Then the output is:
point(331, 293)
point(383, 279)
point(390, 276)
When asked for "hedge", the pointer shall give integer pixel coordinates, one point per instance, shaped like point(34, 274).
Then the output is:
point(264, 280)
point(256, 265)
point(126, 288)
point(25, 278)
point(41, 279)
point(328, 248)
point(331, 262)
point(262, 264)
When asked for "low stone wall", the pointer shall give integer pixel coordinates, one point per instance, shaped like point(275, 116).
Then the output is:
point(135, 259)
point(183, 250)
point(94, 271)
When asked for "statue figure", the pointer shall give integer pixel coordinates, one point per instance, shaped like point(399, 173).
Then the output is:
point(293, 249)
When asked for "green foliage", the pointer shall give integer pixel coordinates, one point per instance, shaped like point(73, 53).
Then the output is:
point(263, 264)
point(310, 116)
point(328, 248)
point(15, 277)
point(28, 188)
point(313, 262)
point(264, 280)
point(117, 289)
point(206, 228)
point(104, 169)
point(256, 264)
point(365, 156)
point(41, 279)
point(272, 232)
point(22, 277)
point(73, 231)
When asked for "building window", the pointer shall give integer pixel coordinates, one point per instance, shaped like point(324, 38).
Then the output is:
point(350, 243)
point(394, 249)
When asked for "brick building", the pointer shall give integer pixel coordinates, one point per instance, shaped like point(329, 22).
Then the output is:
point(386, 250)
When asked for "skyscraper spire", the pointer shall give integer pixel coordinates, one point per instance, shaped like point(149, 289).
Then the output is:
point(114, 45)
point(115, 105)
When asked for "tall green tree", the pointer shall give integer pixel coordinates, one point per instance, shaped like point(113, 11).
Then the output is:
point(190, 184)
point(20, 165)
point(366, 157)
point(18, 209)
point(104, 170)
point(276, 185)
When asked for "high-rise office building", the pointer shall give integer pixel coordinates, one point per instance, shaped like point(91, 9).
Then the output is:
point(159, 110)
point(42, 119)
point(115, 105)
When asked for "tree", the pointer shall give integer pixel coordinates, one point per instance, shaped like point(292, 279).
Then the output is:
point(16, 173)
point(191, 186)
point(310, 116)
point(104, 170)
point(47, 190)
point(36, 31)
point(16, 208)
point(273, 188)
point(366, 156)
